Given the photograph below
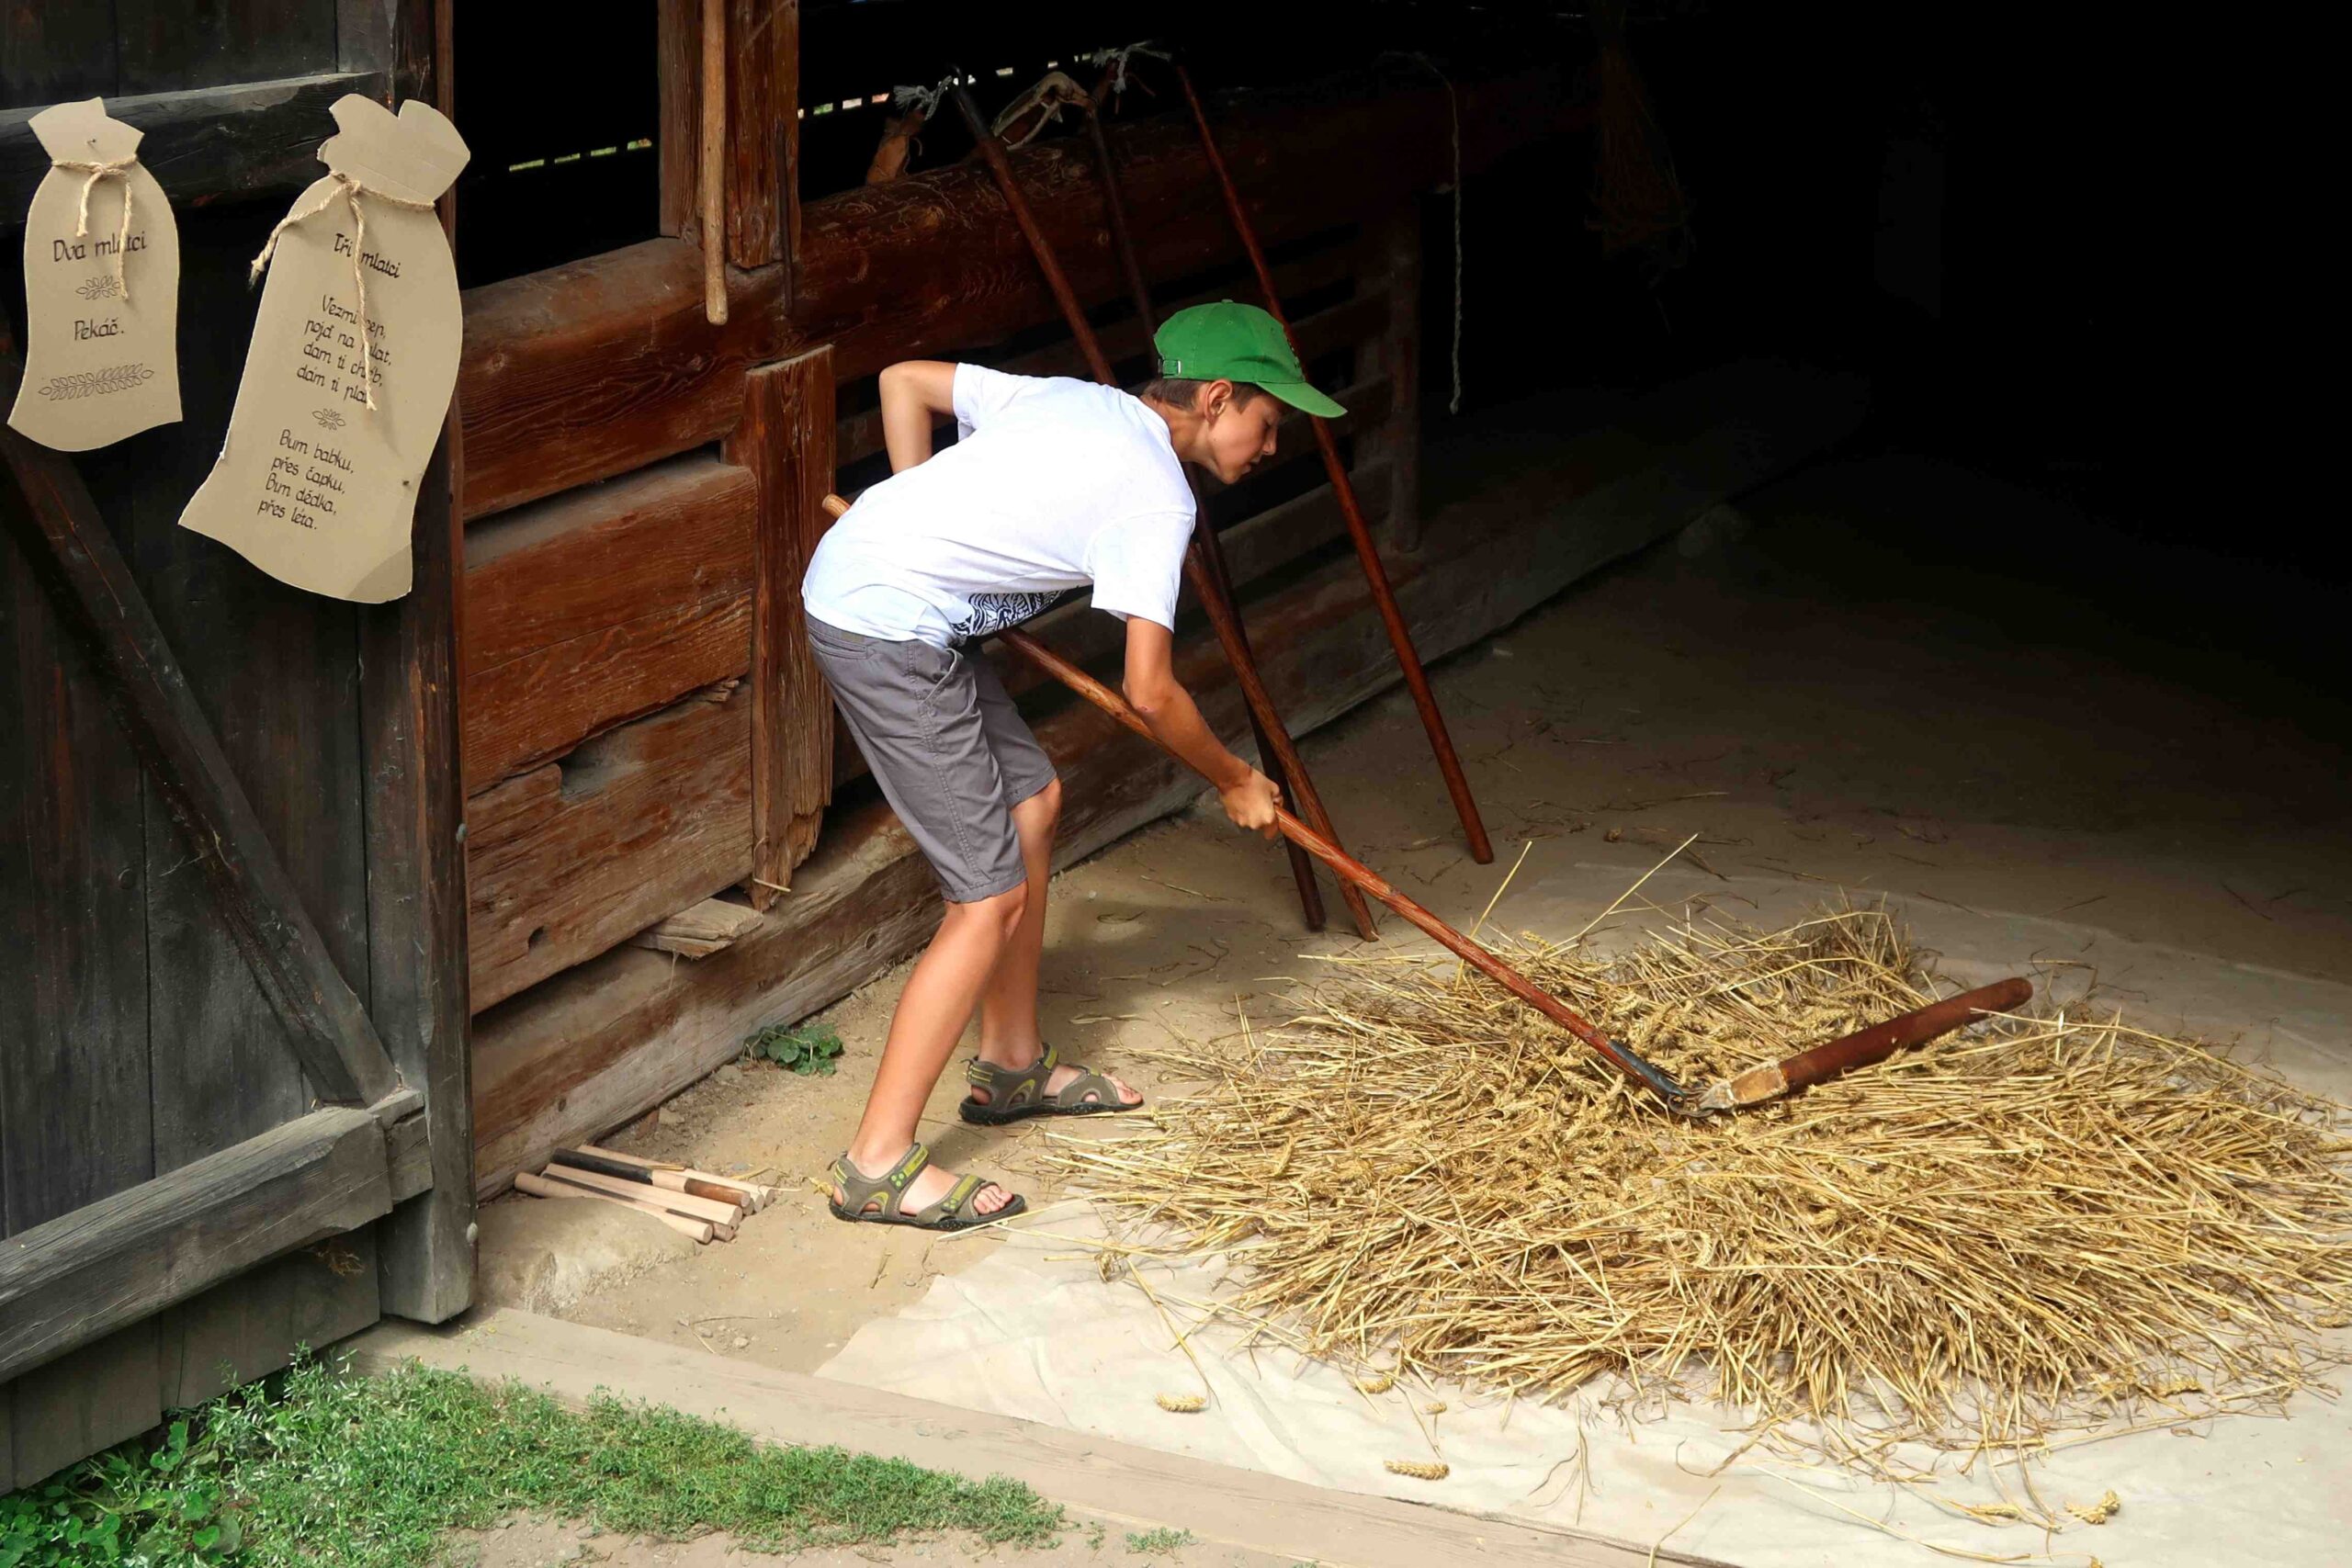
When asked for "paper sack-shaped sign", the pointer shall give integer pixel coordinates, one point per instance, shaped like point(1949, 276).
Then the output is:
point(317, 481)
point(102, 288)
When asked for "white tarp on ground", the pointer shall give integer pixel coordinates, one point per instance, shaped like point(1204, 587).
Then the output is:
point(1032, 1331)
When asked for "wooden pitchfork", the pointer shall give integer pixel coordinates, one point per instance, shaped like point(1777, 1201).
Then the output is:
point(1375, 574)
point(1750, 1087)
point(1204, 560)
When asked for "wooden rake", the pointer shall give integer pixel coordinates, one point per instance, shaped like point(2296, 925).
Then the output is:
point(1203, 558)
point(1752, 1086)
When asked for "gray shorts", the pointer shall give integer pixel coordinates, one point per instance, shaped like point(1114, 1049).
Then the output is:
point(947, 747)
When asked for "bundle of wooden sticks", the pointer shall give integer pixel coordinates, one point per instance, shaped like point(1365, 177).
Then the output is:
point(694, 1202)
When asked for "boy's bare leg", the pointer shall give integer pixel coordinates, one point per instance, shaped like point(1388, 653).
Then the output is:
point(938, 1002)
point(1009, 1034)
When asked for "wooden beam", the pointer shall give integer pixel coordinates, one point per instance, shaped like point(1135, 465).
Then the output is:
point(70, 548)
point(678, 63)
point(601, 606)
point(576, 857)
point(590, 559)
point(126, 1257)
point(599, 367)
point(601, 1044)
point(712, 926)
point(786, 440)
point(758, 32)
point(208, 145)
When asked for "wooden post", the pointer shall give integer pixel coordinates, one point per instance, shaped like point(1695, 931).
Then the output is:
point(786, 439)
point(712, 183)
point(679, 64)
point(759, 33)
point(1398, 242)
point(416, 857)
point(787, 130)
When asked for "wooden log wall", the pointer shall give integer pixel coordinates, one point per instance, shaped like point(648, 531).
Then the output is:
point(642, 730)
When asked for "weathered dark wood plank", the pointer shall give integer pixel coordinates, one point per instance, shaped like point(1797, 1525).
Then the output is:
point(169, 45)
point(126, 1257)
point(570, 859)
point(86, 1400)
point(223, 1071)
point(73, 1085)
point(757, 37)
point(594, 368)
point(52, 53)
point(84, 575)
point(208, 145)
point(248, 1328)
point(786, 441)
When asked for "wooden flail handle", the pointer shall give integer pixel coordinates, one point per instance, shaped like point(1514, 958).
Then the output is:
point(1865, 1046)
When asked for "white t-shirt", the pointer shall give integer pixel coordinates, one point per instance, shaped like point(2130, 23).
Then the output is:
point(1051, 484)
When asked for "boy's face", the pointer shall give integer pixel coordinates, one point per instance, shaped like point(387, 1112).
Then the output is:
point(1236, 435)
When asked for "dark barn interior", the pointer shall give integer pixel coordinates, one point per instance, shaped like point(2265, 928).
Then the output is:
point(1829, 444)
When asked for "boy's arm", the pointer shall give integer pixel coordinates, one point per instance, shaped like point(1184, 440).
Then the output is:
point(916, 394)
point(1151, 689)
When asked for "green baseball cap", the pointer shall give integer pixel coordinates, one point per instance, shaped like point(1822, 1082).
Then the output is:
point(1225, 342)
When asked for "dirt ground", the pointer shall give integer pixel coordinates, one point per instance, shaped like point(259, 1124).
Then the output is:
point(1835, 693)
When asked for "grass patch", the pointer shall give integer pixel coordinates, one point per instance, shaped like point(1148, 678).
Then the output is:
point(350, 1472)
point(809, 1049)
point(1162, 1539)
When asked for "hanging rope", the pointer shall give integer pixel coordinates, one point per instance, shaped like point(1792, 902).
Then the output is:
point(350, 190)
point(119, 169)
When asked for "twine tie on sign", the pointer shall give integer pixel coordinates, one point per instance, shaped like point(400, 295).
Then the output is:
point(350, 190)
point(98, 170)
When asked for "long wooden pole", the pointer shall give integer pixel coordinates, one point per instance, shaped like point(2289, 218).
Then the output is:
point(714, 161)
point(1222, 615)
point(1354, 872)
point(1409, 660)
point(1205, 536)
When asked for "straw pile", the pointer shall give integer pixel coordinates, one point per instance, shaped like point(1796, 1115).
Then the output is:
point(2046, 1222)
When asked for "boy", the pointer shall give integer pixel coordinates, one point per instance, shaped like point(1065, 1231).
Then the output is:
point(1051, 485)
